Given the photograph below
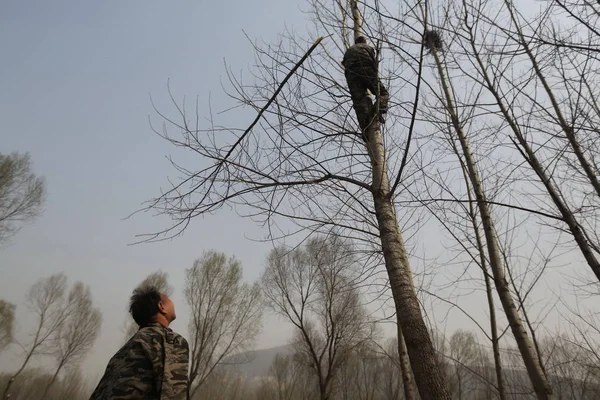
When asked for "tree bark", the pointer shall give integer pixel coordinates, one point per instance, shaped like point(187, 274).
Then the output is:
point(489, 293)
point(420, 349)
point(567, 129)
point(407, 380)
point(422, 355)
point(534, 369)
point(531, 158)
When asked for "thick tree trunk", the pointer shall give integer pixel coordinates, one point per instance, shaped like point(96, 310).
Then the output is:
point(422, 355)
point(420, 349)
point(532, 364)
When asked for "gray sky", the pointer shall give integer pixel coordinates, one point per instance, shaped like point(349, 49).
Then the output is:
point(75, 80)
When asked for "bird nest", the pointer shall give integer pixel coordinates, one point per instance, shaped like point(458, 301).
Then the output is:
point(432, 40)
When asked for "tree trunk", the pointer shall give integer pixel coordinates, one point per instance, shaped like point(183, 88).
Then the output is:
point(35, 344)
point(408, 312)
point(567, 128)
point(323, 391)
point(422, 355)
point(534, 369)
point(531, 158)
point(60, 365)
point(495, 339)
point(6, 394)
point(489, 293)
point(407, 380)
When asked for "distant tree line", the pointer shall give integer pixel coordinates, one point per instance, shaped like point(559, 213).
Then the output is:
point(491, 142)
point(336, 351)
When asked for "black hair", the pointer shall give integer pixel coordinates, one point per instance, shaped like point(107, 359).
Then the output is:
point(143, 305)
point(360, 39)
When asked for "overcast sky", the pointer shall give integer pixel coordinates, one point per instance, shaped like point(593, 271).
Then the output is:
point(75, 83)
point(75, 86)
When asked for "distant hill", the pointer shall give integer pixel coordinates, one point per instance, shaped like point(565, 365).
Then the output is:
point(256, 363)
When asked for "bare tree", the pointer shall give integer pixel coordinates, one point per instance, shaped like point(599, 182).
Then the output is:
point(159, 280)
point(225, 384)
point(469, 364)
point(312, 288)
point(369, 372)
point(21, 193)
point(471, 244)
point(225, 313)
point(546, 108)
point(7, 319)
point(362, 375)
point(78, 333)
point(457, 128)
point(33, 382)
point(46, 300)
point(291, 379)
point(303, 159)
point(388, 370)
point(574, 370)
point(548, 158)
point(575, 122)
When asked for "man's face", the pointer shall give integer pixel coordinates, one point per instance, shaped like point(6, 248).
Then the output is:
point(167, 308)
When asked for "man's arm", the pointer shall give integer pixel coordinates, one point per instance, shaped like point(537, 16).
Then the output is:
point(168, 353)
point(175, 378)
point(128, 374)
point(151, 342)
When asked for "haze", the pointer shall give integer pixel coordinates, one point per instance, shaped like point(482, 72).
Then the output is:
point(76, 82)
point(75, 86)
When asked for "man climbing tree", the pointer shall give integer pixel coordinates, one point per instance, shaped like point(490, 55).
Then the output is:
point(360, 69)
point(295, 162)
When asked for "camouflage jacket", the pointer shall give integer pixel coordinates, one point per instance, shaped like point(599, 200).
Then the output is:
point(360, 56)
point(152, 365)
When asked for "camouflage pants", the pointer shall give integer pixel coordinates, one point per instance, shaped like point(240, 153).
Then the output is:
point(358, 83)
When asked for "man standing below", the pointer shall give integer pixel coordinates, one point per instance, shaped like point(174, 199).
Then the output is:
point(153, 364)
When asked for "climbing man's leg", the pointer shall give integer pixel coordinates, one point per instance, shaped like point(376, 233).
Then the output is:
point(360, 100)
point(379, 90)
point(384, 97)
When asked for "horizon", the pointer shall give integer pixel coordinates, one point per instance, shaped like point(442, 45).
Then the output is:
point(78, 86)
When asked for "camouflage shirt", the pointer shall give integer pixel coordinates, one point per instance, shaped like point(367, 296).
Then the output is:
point(152, 365)
point(360, 56)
